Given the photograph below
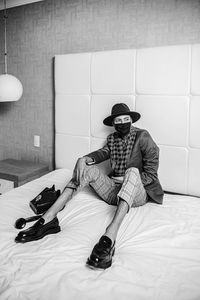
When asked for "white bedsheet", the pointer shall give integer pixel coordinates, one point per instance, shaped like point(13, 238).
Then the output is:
point(157, 253)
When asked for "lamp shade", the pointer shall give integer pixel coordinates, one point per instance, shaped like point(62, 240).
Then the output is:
point(10, 88)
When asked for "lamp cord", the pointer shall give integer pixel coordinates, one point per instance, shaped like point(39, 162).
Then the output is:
point(5, 37)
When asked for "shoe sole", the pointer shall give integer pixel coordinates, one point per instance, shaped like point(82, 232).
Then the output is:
point(50, 231)
point(90, 265)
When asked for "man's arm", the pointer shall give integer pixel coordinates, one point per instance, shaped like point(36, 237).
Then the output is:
point(150, 158)
point(94, 157)
point(99, 155)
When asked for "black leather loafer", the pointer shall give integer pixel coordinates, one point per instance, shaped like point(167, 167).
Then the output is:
point(38, 231)
point(102, 253)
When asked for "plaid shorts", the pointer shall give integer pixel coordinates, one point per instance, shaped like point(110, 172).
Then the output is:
point(131, 190)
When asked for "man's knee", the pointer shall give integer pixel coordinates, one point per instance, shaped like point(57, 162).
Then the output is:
point(134, 172)
point(91, 173)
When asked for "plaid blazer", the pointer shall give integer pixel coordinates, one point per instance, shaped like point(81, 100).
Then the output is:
point(145, 157)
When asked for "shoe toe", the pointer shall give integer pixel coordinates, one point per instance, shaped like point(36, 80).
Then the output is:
point(21, 237)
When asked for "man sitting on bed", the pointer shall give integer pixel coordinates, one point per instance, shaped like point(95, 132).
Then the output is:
point(134, 159)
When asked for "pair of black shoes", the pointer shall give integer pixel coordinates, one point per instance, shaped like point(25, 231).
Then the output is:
point(102, 253)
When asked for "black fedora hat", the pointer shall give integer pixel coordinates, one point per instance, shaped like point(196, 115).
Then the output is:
point(118, 110)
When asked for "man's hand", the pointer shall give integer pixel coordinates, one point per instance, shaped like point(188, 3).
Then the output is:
point(79, 169)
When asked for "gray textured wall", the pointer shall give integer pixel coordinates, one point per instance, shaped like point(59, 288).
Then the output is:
point(37, 32)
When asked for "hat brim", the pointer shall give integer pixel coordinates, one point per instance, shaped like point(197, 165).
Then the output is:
point(135, 116)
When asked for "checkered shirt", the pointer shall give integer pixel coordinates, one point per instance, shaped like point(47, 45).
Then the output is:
point(120, 150)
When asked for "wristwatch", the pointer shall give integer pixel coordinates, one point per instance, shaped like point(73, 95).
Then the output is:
point(89, 163)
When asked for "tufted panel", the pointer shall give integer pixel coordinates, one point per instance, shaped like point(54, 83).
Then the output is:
point(163, 70)
point(161, 83)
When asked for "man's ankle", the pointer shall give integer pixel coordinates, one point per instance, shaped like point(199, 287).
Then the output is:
point(48, 218)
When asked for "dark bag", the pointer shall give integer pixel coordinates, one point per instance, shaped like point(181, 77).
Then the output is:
point(42, 202)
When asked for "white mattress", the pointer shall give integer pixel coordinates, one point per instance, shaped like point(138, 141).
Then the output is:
point(157, 251)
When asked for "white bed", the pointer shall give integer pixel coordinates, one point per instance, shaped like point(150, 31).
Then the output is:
point(158, 246)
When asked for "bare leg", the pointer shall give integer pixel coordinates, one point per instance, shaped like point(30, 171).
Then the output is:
point(51, 213)
point(132, 194)
point(103, 251)
point(72, 187)
point(113, 227)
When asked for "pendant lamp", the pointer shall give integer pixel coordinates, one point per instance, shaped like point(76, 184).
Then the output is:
point(10, 87)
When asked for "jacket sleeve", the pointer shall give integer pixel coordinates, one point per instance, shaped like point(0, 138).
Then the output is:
point(150, 158)
point(100, 155)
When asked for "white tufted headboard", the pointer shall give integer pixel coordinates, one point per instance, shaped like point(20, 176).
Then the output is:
point(160, 83)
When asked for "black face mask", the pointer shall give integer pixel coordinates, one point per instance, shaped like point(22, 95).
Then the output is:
point(123, 129)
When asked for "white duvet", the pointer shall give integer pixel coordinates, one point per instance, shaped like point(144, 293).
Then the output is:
point(157, 253)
